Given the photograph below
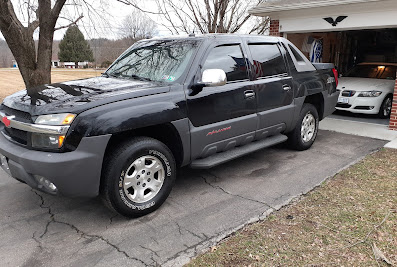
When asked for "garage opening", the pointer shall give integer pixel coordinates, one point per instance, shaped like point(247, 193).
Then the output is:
point(348, 49)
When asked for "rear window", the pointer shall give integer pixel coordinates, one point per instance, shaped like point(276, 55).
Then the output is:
point(373, 71)
point(267, 60)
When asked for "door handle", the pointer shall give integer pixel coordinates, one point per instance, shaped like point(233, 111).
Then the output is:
point(249, 94)
point(286, 87)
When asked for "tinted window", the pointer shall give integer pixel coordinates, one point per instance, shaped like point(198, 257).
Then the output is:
point(163, 61)
point(296, 54)
point(230, 59)
point(291, 64)
point(267, 60)
point(373, 71)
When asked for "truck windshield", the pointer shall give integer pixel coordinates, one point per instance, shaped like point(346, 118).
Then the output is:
point(373, 71)
point(162, 61)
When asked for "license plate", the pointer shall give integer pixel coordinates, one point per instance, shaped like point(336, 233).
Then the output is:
point(343, 100)
point(4, 164)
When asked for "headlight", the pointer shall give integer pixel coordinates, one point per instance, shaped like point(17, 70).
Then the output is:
point(51, 141)
point(47, 141)
point(370, 94)
point(56, 119)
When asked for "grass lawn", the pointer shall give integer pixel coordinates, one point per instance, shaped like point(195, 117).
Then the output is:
point(348, 221)
point(11, 80)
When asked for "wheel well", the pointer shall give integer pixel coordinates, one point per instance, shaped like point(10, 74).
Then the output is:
point(165, 133)
point(317, 100)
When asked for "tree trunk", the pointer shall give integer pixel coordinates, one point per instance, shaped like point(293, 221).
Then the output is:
point(35, 67)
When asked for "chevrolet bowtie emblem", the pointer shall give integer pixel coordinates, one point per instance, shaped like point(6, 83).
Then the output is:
point(7, 121)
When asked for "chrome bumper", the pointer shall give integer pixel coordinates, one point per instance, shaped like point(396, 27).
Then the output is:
point(9, 122)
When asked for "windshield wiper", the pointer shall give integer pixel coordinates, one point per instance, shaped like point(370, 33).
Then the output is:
point(140, 78)
point(115, 75)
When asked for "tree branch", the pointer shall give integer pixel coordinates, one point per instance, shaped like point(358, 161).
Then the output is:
point(131, 3)
point(56, 10)
point(70, 24)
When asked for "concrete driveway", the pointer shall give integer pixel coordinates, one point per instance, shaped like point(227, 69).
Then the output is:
point(204, 207)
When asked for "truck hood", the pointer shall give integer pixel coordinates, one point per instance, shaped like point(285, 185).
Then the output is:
point(80, 95)
point(365, 84)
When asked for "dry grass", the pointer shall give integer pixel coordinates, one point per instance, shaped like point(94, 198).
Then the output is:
point(335, 225)
point(11, 80)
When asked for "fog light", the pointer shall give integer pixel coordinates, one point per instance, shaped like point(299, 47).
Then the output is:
point(43, 182)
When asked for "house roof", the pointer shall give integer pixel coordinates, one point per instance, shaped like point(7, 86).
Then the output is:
point(271, 6)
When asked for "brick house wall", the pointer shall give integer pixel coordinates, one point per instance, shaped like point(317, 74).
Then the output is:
point(393, 116)
point(274, 29)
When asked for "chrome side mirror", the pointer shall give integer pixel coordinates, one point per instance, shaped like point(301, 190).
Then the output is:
point(214, 77)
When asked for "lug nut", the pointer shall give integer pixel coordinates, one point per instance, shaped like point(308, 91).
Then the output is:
point(148, 173)
point(144, 185)
point(148, 180)
point(143, 171)
point(138, 183)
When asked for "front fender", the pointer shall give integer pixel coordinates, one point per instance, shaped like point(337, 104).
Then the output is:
point(129, 118)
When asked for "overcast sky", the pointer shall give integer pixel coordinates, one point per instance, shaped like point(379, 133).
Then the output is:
point(105, 23)
point(112, 12)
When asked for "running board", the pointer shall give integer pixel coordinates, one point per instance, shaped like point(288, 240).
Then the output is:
point(237, 152)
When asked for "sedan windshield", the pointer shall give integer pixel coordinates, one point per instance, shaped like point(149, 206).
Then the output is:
point(162, 61)
point(373, 71)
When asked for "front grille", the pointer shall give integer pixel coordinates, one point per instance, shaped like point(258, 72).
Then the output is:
point(17, 135)
point(343, 105)
point(19, 115)
point(348, 93)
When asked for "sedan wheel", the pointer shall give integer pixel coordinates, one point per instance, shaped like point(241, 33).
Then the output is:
point(385, 109)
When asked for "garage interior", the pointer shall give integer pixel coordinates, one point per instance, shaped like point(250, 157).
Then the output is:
point(349, 48)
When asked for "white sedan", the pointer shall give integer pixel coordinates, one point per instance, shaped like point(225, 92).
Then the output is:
point(368, 89)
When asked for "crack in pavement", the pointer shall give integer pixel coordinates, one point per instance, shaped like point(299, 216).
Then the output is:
point(78, 231)
point(111, 220)
point(194, 247)
point(40, 245)
point(190, 232)
point(229, 193)
point(153, 252)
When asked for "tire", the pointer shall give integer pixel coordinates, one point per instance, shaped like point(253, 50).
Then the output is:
point(306, 129)
point(138, 177)
point(385, 108)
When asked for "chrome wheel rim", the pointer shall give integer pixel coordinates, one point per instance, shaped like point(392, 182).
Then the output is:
point(387, 107)
point(308, 127)
point(144, 179)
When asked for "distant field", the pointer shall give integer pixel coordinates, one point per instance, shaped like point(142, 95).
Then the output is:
point(11, 80)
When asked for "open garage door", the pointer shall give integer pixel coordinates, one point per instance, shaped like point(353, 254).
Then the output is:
point(366, 60)
point(349, 32)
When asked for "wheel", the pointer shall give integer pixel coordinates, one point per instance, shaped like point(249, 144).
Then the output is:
point(138, 176)
point(306, 129)
point(385, 108)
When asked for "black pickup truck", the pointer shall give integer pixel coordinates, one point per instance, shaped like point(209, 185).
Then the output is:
point(163, 104)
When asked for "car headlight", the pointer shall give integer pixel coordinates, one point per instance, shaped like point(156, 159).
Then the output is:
point(51, 141)
point(55, 119)
point(370, 94)
point(47, 141)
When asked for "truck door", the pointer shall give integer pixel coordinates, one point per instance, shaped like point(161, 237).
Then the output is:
point(273, 84)
point(223, 117)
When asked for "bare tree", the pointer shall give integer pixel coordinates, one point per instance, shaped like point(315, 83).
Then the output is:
point(205, 16)
point(19, 26)
point(137, 25)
